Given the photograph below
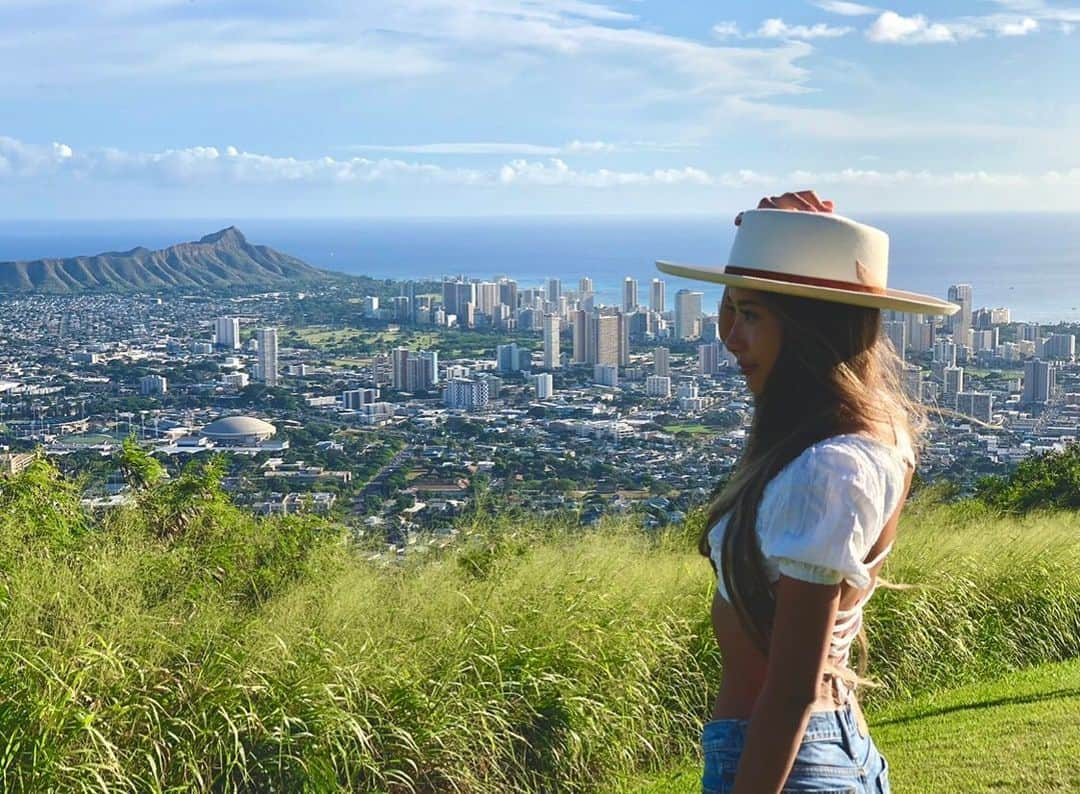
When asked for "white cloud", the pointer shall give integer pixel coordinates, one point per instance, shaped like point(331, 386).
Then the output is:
point(1019, 28)
point(846, 9)
point(778, 29)
point(19, 159)
point(198, 167)
point(461, 148)
point(892, 28)
point(1067, 28)
point(556, 172)
point(531, 149)
point(462, 42)
point(726, 30)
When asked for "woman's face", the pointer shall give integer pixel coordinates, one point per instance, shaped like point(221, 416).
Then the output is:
point(753, 334)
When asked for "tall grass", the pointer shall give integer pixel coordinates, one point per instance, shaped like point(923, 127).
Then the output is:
point(168, 649)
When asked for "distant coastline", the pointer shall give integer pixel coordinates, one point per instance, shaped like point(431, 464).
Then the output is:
point(1029, 263)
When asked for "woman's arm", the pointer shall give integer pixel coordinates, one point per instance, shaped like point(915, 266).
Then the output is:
point(802, 629)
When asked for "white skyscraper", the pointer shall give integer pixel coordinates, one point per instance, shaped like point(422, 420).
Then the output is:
point(227, 330)
point(629, 294)
point(687, 314)
point(960, 322)
point(551, 341)
point(661, 365)
point(268, 360)
point(585, 285)
point(606, 375)
point(544, 385)
point(657, 386)
point(657, 297)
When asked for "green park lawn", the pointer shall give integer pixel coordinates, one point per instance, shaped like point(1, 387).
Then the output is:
point(1017, 733)
point(694, 429)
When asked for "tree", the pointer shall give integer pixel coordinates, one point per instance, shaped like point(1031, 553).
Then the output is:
point(138, 467)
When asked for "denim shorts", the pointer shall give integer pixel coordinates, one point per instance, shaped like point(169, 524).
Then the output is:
point(833, 756)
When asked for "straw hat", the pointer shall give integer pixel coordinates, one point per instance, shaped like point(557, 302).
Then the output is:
point(812, 255)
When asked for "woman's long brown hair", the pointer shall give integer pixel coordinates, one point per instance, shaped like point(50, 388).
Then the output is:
point(835, 373)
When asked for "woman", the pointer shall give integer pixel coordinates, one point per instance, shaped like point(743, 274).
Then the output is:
point(799, 533)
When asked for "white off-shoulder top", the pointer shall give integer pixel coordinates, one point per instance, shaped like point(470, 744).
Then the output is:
point(819, 517)
point(822, 513)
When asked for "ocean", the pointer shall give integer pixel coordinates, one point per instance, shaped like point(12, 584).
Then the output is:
point(1027, 262)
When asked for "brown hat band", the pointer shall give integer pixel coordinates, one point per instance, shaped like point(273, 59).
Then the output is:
point(813, 281)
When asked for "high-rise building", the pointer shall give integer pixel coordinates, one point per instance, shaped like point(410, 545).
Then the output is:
point(544, 385)
point(467, 394)
point(687, 314)
point(227, 331)
point(1060, 347)
point(896, 333)
point(960, 322)
point(985, 339)
point(487, 297)
point(954, 383)
point(629, 294)
point(268, 355)
point(657, 298)
point(429, 363)
point(709, 358)
point(978, 405)
point(661, 365)
point(551, 341)
point(1039, 377)
point(399, 360)
point(607, 339)
point(606, 375)
point(414, 372)
point(352, 399)
point(585, 285)
point(1030, 332)
point(508, 293)
point(456, 294)
point(153, 384)
point(658, 386)
point(913, 382)
point(506, 358)
point(945, 352)
point(580, 328)
point(554, 290)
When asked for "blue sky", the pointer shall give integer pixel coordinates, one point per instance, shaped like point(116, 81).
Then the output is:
point(260, 108)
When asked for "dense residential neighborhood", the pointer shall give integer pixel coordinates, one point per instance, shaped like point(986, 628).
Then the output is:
point(395, 412)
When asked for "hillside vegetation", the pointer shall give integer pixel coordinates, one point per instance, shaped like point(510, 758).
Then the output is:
point(180, 644)
point(219, 260)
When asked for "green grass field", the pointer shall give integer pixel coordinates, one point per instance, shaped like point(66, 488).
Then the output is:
point(694, 429)
point(1017, 733)
point(181, 644)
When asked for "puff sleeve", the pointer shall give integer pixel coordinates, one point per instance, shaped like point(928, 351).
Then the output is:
point(825, 514)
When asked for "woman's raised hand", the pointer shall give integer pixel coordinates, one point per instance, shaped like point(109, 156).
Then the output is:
point(802, 200)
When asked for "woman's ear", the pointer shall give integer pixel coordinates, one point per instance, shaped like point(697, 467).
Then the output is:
point(726, 318)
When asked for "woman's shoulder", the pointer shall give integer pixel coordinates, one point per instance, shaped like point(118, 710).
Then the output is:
point(850, 454)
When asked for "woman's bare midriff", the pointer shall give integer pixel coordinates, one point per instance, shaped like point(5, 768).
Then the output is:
point(745, 668)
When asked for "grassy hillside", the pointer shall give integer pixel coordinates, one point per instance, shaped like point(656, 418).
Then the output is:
point(181, 644)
